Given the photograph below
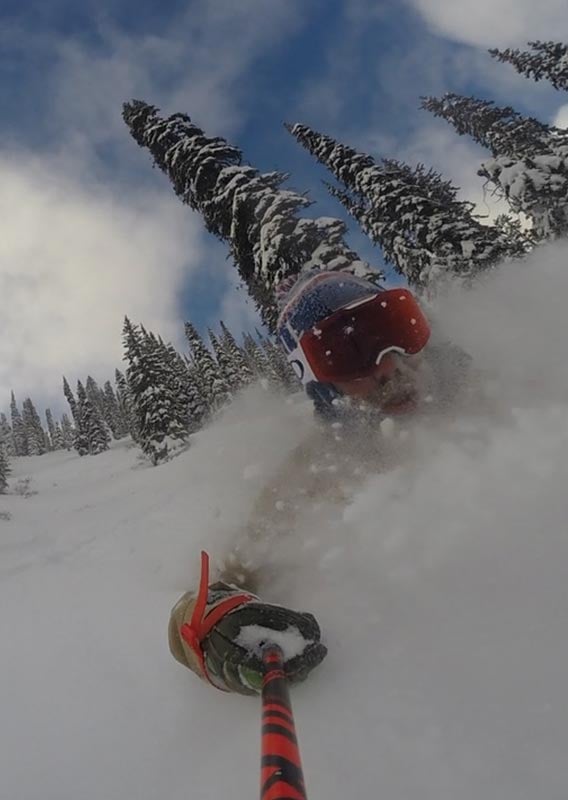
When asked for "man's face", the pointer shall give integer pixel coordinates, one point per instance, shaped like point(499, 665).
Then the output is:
point(397, 386)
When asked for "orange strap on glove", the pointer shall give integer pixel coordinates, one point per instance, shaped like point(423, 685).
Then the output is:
point(200, 626)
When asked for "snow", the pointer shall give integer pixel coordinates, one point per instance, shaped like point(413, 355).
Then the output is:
point(440, 588)
point(290, 641)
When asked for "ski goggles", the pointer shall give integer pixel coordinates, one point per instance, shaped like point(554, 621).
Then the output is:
point(349, 344)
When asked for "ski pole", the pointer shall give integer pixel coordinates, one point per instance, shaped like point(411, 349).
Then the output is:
point(281, 776)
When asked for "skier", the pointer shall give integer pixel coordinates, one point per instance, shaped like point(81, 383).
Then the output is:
point(356, 345)
point(220, 632)
point(364, 354)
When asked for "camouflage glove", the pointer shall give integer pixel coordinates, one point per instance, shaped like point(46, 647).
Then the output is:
point(220, 634)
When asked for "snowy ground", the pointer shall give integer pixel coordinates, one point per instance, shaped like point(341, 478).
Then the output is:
point(441, 589)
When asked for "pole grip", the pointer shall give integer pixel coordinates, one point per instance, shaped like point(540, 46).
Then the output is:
point(281, 775)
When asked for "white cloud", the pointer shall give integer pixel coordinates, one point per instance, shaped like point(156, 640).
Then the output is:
point(73, 261)
point(561, 117)
point(494, 23)
point(196, 64)
point(77, 255)
point(457, 158)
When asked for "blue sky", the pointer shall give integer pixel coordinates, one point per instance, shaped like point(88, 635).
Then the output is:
point(92, 232)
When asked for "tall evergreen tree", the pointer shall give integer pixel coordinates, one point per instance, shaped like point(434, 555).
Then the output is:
point(530, 159)
point(229, 374)
point(51, 430)
point(256, 358)
point(96, 397)
point(241, 206)
point(126, 404)
point(58, 441)
point(80, 435)
point(6, 436)
point(35, 434)
point(93, 429)
point(112, 413)
point(18, 429)
point(67, 432)
point(238, 359)
point(280, 371)
point(213, 387)
point(71, 400)
point(175, 376)
point(153, 401)
point(413, 214)
point(549, 60)
point(4, 468)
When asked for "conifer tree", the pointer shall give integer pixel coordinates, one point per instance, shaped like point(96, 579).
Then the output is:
point(230, 376)
point(281, 367)
point(500, 129)
point(213, 387)
point(70, 399)
point(67, 432)
point(256, 358)
point(238, 359)
point(413, 214)
point(93, 430)
point(4, 468)
point(126, 405)
point(6, 436)
point(112, 414)
point(55, 441)
point(35, 434)
point(241, 206)
point(530, 159)
point(152, 400)
point(18, 429)
point(96, 397)
point(549, 60)
point(80, 435)
point(175, 376)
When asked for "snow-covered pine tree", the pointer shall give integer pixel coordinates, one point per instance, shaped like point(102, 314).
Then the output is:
point(96, 397)
point(18, 429)
point(187, 405)
point(198, 408)
point(213, 387)
point(4, 468)
point(6, 437)
point(412, 213)
point(238, 359)
point(112, 413)
point(92, 425)
point(152, 399)
point(548, 60)
point(241, 206)
point(256, 358)
point(80, 435)
point(126, 405)
point(230, 375)
point(67, 432)
point(35, 434)
point(530, 159)
point(55, 440)
point(71, 400)
point(281, 366)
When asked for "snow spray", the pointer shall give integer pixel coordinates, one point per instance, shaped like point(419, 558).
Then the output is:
point(281, 775)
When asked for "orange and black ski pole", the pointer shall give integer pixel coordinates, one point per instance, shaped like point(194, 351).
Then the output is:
point(281, 767)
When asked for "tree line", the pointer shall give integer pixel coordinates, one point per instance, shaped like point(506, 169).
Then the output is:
point(161, 398)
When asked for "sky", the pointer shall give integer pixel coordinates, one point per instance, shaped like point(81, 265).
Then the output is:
point(90, 232)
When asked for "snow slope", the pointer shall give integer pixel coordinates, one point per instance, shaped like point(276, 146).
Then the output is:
point(441, 589)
